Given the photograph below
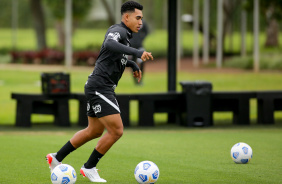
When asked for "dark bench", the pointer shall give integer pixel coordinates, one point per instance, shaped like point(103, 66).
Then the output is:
point(57, 105)
point(82, 108)
point(28, 104)
point(174, 103)
point(150, 103)
point(236, 102)
point(268, 102)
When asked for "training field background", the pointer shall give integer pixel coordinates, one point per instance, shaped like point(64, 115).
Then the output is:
point(184, 155)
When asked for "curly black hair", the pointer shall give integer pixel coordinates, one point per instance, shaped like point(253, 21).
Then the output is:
point(130, 6)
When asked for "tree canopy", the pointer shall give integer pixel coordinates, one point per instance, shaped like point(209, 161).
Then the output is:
point(79, 8)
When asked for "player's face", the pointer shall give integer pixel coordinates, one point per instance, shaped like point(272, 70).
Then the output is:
point(135, 20)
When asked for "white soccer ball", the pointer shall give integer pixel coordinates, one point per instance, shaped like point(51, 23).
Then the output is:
point(146, 172)
point(63, 174)
point(241, 153)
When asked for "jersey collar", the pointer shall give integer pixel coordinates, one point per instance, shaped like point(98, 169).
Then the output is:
point(129, 32)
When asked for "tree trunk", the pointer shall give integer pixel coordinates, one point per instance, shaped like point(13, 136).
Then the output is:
point(39, 23)
point(272, 33)
point(229, 9)
point(109, 11)
point(60, 33)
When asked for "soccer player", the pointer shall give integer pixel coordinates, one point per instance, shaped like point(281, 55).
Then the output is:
point(102, 108)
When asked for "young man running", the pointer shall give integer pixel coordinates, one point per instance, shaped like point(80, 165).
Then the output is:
point(102, 108)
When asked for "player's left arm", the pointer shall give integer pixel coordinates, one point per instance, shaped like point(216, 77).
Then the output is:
point(136, 70)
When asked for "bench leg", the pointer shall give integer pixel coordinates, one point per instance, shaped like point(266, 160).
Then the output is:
point(24, 110)
point(242, 115)
point(172, 118)
point(62, 113)
point(123, 102)
point(146, 113)
point(265, 111)
point(82, 110)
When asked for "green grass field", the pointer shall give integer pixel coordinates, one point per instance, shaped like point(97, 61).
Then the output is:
point(183, 155)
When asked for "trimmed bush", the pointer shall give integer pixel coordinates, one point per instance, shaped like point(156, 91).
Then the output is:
point(267, 61)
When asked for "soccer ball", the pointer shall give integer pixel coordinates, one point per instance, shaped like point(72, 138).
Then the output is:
point(241, 153)
point(63, 174)
point(146, 172)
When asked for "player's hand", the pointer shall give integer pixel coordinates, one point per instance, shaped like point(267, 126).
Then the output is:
point(137, 75)
point(146, 56)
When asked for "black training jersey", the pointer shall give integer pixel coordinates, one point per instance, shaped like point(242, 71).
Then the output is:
point(112, 59)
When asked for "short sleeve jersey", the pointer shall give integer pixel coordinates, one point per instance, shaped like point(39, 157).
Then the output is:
point(112, 59)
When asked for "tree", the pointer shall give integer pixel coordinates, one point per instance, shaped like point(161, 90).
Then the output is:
point(272, 12)
point(79, 10)
point(229, 8)
point(39, 23)
point(111, 18)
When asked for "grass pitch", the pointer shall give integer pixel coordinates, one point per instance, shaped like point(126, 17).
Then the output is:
point(198, 155)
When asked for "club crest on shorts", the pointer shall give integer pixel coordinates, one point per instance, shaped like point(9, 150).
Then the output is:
point(97, 108)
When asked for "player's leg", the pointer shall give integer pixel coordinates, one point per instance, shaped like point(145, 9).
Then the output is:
point(107, 110)
point(94, 129)
point(114, 126)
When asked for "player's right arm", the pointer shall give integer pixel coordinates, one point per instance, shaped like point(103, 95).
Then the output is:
point(136, 70)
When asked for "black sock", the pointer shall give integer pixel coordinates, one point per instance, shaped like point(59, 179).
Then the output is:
point(93, 159)
point(64, 151)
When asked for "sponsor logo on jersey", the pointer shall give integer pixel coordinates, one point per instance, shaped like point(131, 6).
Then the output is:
point(97, 108)
point(124, 59)
point(115, 36)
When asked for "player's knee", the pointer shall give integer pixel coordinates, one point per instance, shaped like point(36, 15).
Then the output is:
point(93, 134)
point(97, 134)
point(118, 134)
